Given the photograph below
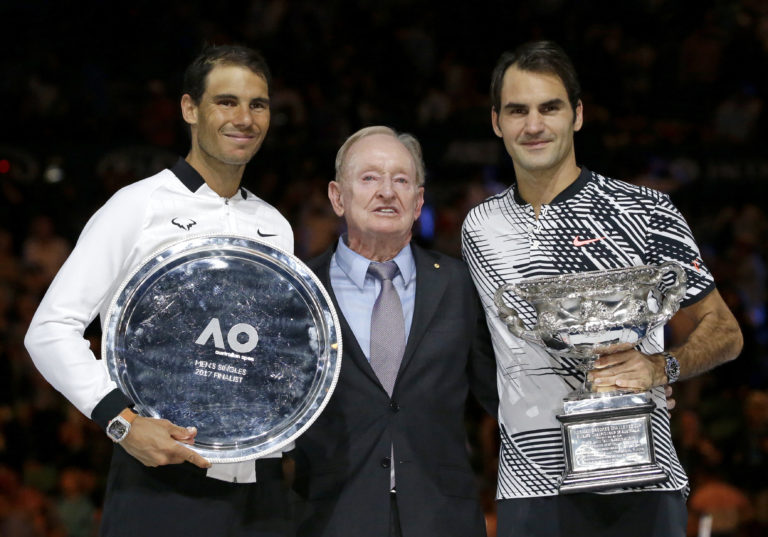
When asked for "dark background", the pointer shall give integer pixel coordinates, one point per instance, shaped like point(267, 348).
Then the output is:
point(674, 98)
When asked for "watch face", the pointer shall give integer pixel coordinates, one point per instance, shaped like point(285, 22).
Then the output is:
point(672, 369)
point(117, 429)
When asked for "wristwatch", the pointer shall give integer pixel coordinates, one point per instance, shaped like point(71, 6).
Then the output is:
point(119, 426)
point(671, 367)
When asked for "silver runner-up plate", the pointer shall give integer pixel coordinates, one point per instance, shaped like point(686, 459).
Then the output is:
point(229, 335)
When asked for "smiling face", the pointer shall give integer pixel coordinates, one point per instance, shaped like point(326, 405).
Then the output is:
point(230, 122)
point(378, 195)
point(536, 122)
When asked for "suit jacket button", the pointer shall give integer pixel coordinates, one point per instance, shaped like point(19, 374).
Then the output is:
point(385, 462)
point(394, 406)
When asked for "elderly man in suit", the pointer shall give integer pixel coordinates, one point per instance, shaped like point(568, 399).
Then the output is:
point(388, 456)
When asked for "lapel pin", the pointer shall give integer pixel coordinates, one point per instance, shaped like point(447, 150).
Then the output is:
point(437, 265)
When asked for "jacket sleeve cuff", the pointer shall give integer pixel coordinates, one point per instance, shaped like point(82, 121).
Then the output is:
point(109, 407)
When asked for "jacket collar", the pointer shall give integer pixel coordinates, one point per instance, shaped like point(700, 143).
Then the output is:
point(191, 178)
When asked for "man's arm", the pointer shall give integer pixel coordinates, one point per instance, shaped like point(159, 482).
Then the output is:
point(63, 356)
point(482, 367)
point(715, 339)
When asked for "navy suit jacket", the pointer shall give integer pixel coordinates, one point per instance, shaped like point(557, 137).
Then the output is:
point(343, 461)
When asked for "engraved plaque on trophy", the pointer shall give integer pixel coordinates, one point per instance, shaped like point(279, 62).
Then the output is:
point(607, 436)
point(229, 335)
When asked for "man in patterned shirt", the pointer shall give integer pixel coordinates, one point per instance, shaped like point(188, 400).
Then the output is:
point(561, 218)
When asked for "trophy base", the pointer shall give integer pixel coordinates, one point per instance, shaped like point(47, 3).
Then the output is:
point(608, 443)
point(588, 402)
point(612, 478)
point(606, 398)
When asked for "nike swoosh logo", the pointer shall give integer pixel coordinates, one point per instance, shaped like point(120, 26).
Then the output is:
point(265, 234)
point(578, 242)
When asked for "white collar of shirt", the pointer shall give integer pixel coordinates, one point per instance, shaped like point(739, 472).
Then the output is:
point(355, 266)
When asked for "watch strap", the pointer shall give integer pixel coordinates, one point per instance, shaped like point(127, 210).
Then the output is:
point(128, 414)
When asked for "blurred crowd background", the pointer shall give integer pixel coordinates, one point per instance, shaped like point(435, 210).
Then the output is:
point(674, 98)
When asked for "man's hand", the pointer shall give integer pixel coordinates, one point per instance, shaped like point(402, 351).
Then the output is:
point(628, 370)
point(155, 442)
point(671, 403)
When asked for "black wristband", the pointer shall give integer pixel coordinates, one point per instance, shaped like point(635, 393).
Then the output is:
point(110, 406)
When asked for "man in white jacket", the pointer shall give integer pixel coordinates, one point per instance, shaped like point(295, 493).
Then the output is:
point(156, 485)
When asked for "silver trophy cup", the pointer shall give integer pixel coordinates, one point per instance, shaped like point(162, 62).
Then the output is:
point(607, 436)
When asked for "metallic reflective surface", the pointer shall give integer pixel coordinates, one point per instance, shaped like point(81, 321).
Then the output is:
point(599, 401)
point(608, 444)
point(229, 335)
point(581, 315)
point(607, 436)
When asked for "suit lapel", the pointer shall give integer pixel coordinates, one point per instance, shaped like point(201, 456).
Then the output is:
point(431, 284)
point(350, 346)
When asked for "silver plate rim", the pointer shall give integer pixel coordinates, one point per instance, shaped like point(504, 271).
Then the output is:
point(174, 248)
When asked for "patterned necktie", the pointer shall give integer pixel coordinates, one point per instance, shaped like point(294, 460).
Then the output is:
point(387, 327)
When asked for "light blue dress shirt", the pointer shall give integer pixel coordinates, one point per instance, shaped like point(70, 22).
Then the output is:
point(356, 290)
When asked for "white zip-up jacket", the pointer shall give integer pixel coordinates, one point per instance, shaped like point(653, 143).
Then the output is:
point(134, 223)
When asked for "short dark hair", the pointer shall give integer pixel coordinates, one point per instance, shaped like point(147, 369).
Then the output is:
point(195, 77)
point(537, 57)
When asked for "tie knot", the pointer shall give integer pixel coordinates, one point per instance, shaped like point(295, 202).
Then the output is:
point(383, 271)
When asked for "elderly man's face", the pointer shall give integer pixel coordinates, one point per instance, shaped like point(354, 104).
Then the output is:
point(378, 195)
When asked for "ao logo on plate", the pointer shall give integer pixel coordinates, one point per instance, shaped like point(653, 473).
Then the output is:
point(214, 330)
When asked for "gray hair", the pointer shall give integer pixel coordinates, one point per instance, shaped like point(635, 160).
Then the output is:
point(408, 140)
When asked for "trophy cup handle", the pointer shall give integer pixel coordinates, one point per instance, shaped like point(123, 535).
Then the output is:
point(507, 314)
point(674, 294)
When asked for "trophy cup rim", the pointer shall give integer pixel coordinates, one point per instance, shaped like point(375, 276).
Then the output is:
point(561, 285)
